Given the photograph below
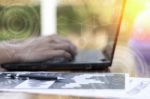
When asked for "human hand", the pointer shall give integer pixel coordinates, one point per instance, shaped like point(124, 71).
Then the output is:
point(43, 49)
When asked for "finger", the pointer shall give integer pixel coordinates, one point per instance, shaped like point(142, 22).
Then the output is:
point(64, 46)
point(73, 48)
point(59, 54)
point(54, 39)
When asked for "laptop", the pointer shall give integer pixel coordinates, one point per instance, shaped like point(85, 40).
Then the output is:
point(93, 26)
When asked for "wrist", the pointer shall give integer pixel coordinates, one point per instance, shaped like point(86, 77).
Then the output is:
point(6, 53)
point(11, 52)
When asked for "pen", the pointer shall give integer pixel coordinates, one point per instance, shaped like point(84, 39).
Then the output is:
point(29, 76)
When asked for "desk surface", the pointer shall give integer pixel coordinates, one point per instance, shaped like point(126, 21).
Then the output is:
point(5, 95)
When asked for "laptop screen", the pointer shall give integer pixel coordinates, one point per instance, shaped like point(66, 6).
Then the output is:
point(90, 24)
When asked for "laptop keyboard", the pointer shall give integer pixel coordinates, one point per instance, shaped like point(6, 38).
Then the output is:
point(87, 56)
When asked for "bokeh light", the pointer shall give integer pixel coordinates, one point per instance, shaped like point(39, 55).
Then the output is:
point(133, 10)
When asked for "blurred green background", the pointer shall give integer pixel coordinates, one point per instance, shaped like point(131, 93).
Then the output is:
point(78, 16)
point(89, 24)
point(19, 21)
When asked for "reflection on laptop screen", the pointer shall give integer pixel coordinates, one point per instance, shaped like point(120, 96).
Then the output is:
point(89, 24)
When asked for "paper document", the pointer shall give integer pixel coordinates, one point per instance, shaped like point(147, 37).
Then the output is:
point(106, 85)
point(34, 84)
point(70, 81)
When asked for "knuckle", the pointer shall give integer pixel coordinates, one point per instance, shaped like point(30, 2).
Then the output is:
point(63, 53)
point(52, 40)
point(67, 46)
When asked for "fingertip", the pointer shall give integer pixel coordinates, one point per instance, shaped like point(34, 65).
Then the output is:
point(74, 49)
point(66, 55)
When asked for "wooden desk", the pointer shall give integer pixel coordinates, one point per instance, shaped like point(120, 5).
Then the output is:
point(6, 95)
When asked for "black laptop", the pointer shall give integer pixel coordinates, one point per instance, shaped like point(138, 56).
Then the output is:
point(93, 26)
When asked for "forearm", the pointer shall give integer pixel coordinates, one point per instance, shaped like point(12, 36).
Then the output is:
point(7, 53)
